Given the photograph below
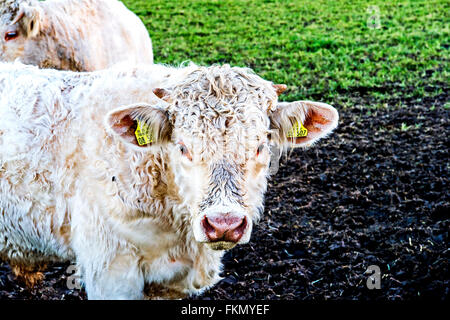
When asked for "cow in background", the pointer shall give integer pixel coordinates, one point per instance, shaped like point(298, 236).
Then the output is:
point(78, 35)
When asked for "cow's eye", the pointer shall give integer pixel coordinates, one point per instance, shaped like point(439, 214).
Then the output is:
point(184, 151)
point(260, 149)
point(11, 35)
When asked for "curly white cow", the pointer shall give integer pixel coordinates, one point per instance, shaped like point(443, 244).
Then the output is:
point(78, 35)
point(142, 176)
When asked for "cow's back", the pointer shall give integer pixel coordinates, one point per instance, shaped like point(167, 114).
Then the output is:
point(129, 28)
point(97, 34)
point(34, 118)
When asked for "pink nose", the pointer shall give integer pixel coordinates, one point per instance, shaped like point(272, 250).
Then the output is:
point(225, 227)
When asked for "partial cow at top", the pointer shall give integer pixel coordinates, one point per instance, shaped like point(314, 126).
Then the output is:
point(78, 35)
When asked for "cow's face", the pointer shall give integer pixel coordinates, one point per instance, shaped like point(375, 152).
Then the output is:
point(218, 126)
point(19, 26)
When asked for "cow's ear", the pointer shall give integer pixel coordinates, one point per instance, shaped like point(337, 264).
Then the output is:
point(301, 123)
point(30, 19)
point(140, 125)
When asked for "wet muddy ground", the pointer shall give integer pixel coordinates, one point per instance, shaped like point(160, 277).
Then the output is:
point(373, 193)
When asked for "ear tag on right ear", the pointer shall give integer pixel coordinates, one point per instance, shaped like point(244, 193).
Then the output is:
point(297, 131)
point(143, 133)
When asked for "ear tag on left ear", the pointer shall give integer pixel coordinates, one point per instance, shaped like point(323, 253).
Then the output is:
point(143, 133)
point(297, 131)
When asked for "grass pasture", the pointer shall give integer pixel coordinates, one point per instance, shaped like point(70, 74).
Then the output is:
point(321, 49)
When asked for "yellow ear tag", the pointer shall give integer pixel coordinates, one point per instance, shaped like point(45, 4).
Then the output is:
point(297, 131)
point(143, 134)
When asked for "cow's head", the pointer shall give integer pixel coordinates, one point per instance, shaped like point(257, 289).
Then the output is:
point(217, 126)
point(20, 24)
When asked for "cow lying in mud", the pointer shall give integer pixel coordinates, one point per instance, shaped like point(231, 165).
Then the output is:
point(142, 176)
point(78, 35)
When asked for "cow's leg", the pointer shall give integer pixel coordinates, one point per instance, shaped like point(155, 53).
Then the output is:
point(109, 270)
point(108, 264)
point(121, 279)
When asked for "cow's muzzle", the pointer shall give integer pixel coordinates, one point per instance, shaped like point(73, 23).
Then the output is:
point(222, 231)
point(227, 227)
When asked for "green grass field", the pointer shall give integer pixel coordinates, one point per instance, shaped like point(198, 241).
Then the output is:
point(325, 50)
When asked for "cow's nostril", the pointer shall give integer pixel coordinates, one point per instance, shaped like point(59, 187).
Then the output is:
point(236, 234)
point(224, 227)
point(207, 226)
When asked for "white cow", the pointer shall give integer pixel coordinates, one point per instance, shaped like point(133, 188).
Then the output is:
point(143, 176)
point(78, 35)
